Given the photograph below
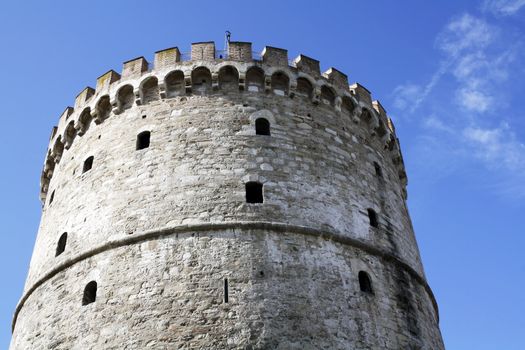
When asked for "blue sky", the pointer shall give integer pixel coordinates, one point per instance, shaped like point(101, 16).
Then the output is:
point(450, 74)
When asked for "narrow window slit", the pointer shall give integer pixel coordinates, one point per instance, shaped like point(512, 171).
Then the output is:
point(379, 171)
point(372, 216)
point(225, 290)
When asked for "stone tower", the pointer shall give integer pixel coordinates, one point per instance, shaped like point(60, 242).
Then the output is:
point(225, 200)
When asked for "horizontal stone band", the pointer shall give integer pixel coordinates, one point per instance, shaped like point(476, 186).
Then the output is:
point(241, 225)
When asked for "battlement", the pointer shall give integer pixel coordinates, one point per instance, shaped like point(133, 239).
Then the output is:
point(174, 73)
point(236, 51)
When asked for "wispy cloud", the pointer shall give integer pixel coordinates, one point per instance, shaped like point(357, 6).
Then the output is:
point(434, 123)
point(410, 96)
point(477, 60)
point(473, 99)
point(498, 147)
point(463, 42)
point(502, 7)
point(465, 34)
point(466, 42)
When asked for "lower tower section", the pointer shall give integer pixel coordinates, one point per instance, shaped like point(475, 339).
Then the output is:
point(272, 287)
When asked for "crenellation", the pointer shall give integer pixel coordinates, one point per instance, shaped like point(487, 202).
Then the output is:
point(83, 97)
point(336, 78)
point(134, 67)
point(203, 51)
point(63, 119)
point(380, 109)
point(178, 185)
point(308, 65)
point(361, 93)
point(391, 125)
point(167, 58)
point(54, 130)
point(66, 113)
point(274, 56)
point(338, 103)
point(240, 51)
point(105, 80)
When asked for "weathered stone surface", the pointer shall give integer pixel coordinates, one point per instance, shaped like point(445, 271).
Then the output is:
point(161, 228)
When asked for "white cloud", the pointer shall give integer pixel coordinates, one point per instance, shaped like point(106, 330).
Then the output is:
point(410, 96)
point(497, 147)
point(474, 100)
point(466, 33)
point(477, 74)
point(503, 7)
point(405, 95)
point(434, 123)
point(467, 40)
point(469, 64)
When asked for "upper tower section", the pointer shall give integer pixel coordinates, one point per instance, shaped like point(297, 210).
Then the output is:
point(174, 73)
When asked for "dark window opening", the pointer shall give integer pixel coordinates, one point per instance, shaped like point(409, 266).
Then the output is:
point(347, 105)
point(254, 192)
point(90, 293)
point(88, 164)
point(103, 108)
point(70, 135)
point(262, 127)
point(304, 87)
point(327, 95)
point(61, 246)
point(255, 79)
point(225, 290)
point(201, 80)
point(143, 140)
point(228, 78)
point(150, 90)
point(175, 84)
point(372, 215)
point(52, 197)
point(126, 97)
point(379, 171)
point(364, 282)
point(280, 83)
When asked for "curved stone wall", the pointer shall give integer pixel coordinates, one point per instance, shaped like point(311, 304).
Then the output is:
point(286, 290)
point(331, 156)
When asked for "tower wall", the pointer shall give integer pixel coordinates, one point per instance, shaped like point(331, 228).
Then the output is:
point(163, 229)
